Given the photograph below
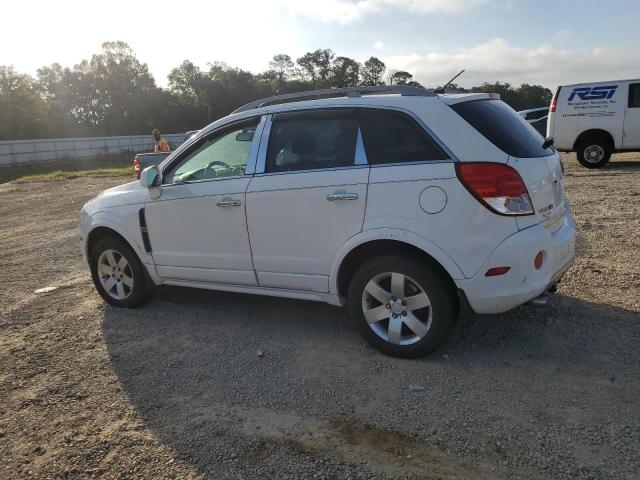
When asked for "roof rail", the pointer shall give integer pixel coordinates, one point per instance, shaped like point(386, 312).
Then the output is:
point(404, 90)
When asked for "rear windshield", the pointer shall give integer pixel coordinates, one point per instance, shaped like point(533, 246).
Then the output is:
point(503, 127)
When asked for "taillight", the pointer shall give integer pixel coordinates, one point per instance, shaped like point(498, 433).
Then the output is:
point(554, 101)
point(136, 166)
point(497, 186)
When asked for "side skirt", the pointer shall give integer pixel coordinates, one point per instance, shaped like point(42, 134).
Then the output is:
point(271, 292)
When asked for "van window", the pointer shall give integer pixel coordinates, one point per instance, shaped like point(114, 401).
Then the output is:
point(307, 141)
point(634, 95)
point(503, 127)
point(393, 137)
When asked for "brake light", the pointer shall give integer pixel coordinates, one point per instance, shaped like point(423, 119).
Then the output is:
point(136, 166)
point(554, 101)
point(497, 186)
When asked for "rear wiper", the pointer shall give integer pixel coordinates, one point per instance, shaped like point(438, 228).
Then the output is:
point(548, 142)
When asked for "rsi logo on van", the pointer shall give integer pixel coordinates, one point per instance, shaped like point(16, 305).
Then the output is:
point(595, 93)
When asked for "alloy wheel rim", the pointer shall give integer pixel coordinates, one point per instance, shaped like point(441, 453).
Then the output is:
point(397, 308)
point(115, 274)
point(593, 153)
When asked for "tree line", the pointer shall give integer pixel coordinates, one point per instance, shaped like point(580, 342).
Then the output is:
point(113, 93)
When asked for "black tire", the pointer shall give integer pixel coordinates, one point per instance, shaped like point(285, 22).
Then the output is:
point(444, 306)
point(142, 289)
point(590, 145)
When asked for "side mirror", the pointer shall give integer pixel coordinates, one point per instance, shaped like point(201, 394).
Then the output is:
point(150, 179)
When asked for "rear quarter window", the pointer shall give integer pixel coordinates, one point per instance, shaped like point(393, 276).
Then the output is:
point(503, 127)
point(394, 137)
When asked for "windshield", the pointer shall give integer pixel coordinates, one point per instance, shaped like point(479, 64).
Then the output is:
point(503, 127)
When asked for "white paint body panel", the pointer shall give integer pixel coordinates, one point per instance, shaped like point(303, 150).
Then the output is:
point(195, 239)
point(296, 231)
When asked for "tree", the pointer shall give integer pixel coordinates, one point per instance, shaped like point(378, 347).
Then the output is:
point(345, 72)
point(533, 96)
point(186, 79)
point(282, 65)
point(316, 66)
point(400, 77)
point(373, 71)
point(113, 93)
point(521, 98)
point(23, 111)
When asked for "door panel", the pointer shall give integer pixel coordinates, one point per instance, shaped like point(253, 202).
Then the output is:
point(198, 225)
point(296, 230)
point(195, 238)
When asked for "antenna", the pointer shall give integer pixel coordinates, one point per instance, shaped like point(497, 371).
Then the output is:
point(441, 90)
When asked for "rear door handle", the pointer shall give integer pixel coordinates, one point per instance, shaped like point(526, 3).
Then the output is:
point(229, 203)
point(336, 197)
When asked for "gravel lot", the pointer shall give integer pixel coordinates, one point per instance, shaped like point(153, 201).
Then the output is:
point(200, 384)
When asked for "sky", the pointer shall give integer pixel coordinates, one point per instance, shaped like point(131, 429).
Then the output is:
point(543, 42)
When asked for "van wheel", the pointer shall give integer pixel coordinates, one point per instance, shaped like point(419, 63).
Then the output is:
point(118, 274)
point(594, 153)
point(401, 307)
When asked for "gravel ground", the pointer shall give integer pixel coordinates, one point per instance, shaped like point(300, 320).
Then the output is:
point(200, 384)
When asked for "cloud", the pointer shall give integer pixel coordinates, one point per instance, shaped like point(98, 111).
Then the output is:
point(348, 11)
point(379, 45)
point(499, 60)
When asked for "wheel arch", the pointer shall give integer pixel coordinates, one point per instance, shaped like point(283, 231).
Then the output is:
point(594, 133)
point(100, 229)
point(100, 232)
point(384, 241)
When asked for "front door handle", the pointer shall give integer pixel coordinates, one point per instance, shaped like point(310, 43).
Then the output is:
point(338, 196)
point(229, 203)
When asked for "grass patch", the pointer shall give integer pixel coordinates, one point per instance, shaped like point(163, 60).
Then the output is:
point(67, 175)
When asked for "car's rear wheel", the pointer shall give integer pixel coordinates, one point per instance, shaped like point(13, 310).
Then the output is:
point(118, 274)
point(594, 153)
point(402, 307)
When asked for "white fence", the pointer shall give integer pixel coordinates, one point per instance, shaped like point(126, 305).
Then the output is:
point(28, 151)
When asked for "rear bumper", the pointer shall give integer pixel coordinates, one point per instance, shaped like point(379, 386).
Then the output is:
point(523, 281)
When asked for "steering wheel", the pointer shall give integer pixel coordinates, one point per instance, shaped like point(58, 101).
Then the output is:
point(217, 163)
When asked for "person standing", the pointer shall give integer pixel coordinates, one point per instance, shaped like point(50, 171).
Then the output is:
point(161, 144)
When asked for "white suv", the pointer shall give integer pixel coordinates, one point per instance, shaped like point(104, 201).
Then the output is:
point(407, 206)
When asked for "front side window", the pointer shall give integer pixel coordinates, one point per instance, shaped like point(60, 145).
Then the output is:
point(311, 140)
point(393, 137)
point(223, 154)
point(634, 95)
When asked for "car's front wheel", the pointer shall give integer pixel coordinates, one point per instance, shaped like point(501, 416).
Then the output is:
point(401, 306)
point(118, 274)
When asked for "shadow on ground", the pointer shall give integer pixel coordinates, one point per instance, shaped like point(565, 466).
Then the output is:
point(235, 381)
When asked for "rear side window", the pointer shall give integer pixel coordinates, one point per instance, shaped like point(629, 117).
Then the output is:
point(312, 140)
point(503, 127)
point(634, 95)
point(393, 137)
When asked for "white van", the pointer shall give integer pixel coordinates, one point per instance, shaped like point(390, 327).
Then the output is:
point(596, 119)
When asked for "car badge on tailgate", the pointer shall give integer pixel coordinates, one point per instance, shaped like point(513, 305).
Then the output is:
point(546, 211)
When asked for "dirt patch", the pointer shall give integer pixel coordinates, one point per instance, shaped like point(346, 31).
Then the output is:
point(177, 389)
